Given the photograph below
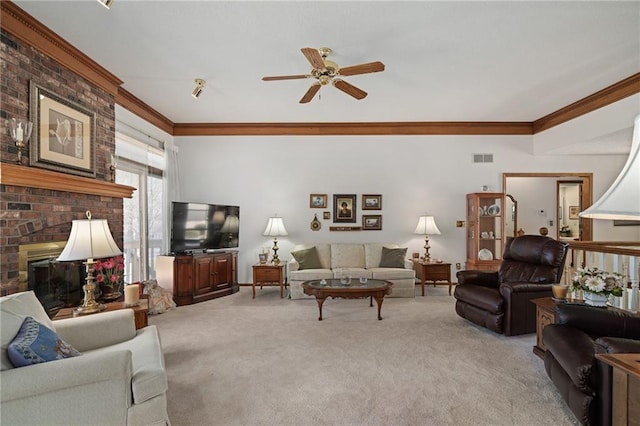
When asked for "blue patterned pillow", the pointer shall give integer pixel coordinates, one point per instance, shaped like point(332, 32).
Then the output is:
point(36, 343)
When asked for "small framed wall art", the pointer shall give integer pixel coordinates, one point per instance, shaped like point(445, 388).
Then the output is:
point(344, 208)
point(371, 222)
point(573, 212)
point(318, 201)
point(371, 202)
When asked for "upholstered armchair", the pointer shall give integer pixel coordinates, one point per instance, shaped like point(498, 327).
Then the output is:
point(580, 332)
point(501, 301)
point(118, 378)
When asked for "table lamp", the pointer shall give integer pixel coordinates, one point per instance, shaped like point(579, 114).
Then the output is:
point(426, 226)
point(89, 239)
point(275, 228)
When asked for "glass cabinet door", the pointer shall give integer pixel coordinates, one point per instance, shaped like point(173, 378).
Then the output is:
point(485, 239)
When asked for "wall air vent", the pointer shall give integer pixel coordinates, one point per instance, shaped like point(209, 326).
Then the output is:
point(483, 158)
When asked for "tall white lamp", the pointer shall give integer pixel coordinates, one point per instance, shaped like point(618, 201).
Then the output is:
point(89, 239)
point(275, 228)
point(427, 226)
point(622, 199)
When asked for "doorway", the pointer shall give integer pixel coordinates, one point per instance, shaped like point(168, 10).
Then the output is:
point(569, 201)
point(538, 200)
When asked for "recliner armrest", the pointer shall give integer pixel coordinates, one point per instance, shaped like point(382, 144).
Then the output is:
point(599, 322)
point(611, 345)
point(574, 351)
point(482, 278)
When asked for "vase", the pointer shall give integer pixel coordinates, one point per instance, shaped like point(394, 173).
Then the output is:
point(110, 293)
point(595, 299)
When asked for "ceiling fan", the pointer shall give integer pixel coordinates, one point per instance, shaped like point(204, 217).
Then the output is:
point(328, 72)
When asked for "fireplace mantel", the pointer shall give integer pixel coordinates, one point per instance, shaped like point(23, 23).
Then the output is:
point(33, 177)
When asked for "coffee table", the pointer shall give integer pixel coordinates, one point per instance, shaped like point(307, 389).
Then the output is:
point(355, 290)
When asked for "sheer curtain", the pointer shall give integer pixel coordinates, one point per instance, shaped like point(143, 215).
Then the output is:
point(171, 187)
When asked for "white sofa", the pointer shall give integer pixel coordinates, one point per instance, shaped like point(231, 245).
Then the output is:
point(355, 260)
point(119, 378)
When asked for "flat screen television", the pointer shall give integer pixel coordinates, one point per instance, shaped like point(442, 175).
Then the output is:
point(203, 227)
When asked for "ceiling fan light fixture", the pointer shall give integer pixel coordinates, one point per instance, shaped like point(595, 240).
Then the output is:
point(106, 3)
point(199, 87)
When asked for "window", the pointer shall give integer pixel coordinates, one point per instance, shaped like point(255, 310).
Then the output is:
point(141, 166)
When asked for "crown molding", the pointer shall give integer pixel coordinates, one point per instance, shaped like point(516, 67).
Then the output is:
point(377, 128)
point(128, 101)
point(614, 93)
point(30, 31)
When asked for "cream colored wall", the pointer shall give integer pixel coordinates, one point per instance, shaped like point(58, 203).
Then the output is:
point(414, 174)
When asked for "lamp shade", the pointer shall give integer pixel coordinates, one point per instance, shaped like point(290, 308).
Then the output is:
point(622, 199)
point(89, 239)
point(275, 228)
point(427, 226)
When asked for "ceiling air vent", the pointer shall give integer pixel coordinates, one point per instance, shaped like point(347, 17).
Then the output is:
point(483, 158)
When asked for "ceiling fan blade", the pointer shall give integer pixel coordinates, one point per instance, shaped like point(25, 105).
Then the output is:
point(314, 57)
point(310, 93)
point(362, 68)
point(285, 77)
point(350, 89)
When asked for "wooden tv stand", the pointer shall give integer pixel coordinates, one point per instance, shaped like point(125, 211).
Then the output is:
point(203, 276)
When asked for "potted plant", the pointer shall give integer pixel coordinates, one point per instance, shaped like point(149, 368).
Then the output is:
point(110, 276)
point(597, 285)
point(565, 231)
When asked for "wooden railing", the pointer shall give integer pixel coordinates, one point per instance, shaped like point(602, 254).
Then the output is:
point(613, 256)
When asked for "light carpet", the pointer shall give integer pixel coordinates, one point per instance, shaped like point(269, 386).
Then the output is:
point(269, 361)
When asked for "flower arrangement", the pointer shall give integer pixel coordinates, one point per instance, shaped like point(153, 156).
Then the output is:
point(565, 228)
point(110, 272)
point(593, 280)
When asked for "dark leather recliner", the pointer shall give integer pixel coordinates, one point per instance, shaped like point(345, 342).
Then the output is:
point(579, 332)
point(501, 301)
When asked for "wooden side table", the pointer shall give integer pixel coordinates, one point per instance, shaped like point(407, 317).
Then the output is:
point(433, 272)
point(269, 274)
point(626, 387)
point(140, 312)
point(545, 315)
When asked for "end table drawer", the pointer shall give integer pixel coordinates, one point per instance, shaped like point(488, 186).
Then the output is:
point(267, 275)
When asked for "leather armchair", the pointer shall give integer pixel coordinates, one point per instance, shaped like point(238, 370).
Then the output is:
point(571, 343)
point(501, 301)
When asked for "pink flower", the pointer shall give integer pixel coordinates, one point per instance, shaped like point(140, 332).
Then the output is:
point(113, 278)
point(109, 264)
point(100, 278)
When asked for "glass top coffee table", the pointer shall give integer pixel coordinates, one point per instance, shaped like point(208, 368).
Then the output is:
point(322, 289)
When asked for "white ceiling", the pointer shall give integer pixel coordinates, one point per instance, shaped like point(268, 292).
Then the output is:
point(445, 61)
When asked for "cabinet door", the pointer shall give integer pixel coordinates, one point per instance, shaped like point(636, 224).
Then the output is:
point(202, 282)
point(222, 272)
point(183, 278)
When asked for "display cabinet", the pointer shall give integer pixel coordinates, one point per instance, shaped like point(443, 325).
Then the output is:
point(485, 230)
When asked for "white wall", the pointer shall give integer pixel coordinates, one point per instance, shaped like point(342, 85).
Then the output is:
point(414, 174)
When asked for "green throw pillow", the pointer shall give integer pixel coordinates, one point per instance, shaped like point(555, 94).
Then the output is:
point(392, 258)
point(307, 258)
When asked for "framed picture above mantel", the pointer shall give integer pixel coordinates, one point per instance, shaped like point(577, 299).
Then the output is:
point(64, 134)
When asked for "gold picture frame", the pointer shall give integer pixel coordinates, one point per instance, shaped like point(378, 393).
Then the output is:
point(63, 134)
point(371, 202)
point(318, 201)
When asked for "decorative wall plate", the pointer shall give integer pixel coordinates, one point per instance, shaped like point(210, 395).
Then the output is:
point(315, 223)
point(485, 254)
point(493, 210)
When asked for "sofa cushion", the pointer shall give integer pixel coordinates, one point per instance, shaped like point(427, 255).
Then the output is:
point(307, 258)
point(14, 308)
point(310, 274)
point(324, 254)
point(352, 272)
point(392, 257)
point(347, 256)
point(392, 273)
point(36, 343)
point(373, 252)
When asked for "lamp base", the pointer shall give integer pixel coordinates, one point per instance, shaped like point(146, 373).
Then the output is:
point(89, 305)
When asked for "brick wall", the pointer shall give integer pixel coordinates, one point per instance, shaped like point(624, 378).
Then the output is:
point(29, 215)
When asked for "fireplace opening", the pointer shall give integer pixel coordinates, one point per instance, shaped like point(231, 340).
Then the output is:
point(56, 284)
